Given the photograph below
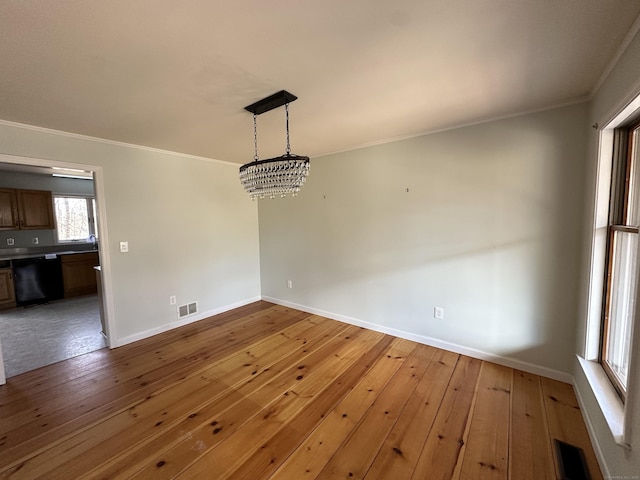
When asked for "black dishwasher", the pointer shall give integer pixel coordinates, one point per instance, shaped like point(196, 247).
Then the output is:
point(37, 280)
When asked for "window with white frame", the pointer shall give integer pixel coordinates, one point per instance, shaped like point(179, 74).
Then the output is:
point(75, 218)
point(621, 258)
point(611, 348)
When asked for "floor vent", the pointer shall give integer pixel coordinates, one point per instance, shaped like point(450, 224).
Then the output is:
point(571, 462)
point(187, 309)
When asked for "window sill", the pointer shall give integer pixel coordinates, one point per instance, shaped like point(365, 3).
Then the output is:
point(610, 404)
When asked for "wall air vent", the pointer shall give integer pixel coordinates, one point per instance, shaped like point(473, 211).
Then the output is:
point(187, 309)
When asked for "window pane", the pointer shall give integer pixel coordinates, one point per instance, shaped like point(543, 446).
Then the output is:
point(621, 307)
point(633, 216)
point(72, 218)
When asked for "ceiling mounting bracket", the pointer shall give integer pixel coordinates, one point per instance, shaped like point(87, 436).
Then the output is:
point(272, 101)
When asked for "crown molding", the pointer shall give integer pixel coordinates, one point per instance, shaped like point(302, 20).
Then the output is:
point(480, 121)
point(631, 34)
point(398, 138)
point(79, 136)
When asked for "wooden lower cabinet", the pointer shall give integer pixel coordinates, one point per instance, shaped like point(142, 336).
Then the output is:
point(7, 292)
point(78, 275)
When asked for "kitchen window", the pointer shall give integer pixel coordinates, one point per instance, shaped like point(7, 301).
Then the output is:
point(75, 218)
point(622, 259)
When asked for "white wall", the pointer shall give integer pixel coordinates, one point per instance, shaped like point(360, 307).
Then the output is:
point(621, 85)
point(192, 231)
point(489, 230)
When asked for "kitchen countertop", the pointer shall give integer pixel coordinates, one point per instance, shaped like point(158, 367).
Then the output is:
point(20, 253)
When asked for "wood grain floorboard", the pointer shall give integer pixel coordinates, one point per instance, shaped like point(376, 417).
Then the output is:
point(487, 446)
point(310, 456)
point(530, 454)
point(399, 456)
point(256, 366)
point(139, 422)
point(271, 454)
point(357, 453)
point(442, 449)
point(76, 409)
point(269, 392)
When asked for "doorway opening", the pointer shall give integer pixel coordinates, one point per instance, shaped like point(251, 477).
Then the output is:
point(51, 302)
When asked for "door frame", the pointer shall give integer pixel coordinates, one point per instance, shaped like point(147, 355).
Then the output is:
point(103, 243)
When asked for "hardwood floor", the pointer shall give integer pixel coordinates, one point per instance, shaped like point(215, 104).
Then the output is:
point(266, 391)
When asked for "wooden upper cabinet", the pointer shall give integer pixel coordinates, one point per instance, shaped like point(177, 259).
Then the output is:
point(26, 210)
point(35, 209)
point(8, 210)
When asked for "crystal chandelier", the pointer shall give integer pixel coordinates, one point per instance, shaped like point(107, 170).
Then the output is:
point(279, 175)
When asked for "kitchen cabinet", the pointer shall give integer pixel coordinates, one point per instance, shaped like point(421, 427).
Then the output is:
point(7, 292)
point(78, 275)
point(8, 209)
point(26, 210)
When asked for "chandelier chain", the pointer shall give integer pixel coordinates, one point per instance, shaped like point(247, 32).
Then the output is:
point(255, 137)
point(286, 109)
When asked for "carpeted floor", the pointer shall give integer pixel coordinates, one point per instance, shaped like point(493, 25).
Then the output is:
point(41, 335)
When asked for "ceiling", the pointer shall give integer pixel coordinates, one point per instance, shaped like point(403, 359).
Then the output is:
point(177, 75)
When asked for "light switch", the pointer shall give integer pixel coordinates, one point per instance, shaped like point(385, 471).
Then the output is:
point(124, 247)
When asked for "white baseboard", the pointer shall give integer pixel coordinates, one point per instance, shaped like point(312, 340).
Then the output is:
point(434, 342)
point(184, 321)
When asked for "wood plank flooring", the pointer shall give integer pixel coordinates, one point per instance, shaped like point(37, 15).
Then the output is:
point(268, 392)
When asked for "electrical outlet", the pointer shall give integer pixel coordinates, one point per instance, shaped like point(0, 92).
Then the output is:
point(289, 284)
point(124, 247)
point(173, 300)
point(438, 313)
point(35, 240)
point(11, 241)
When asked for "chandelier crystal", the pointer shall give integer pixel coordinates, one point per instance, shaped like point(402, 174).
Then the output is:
point(276, 176)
